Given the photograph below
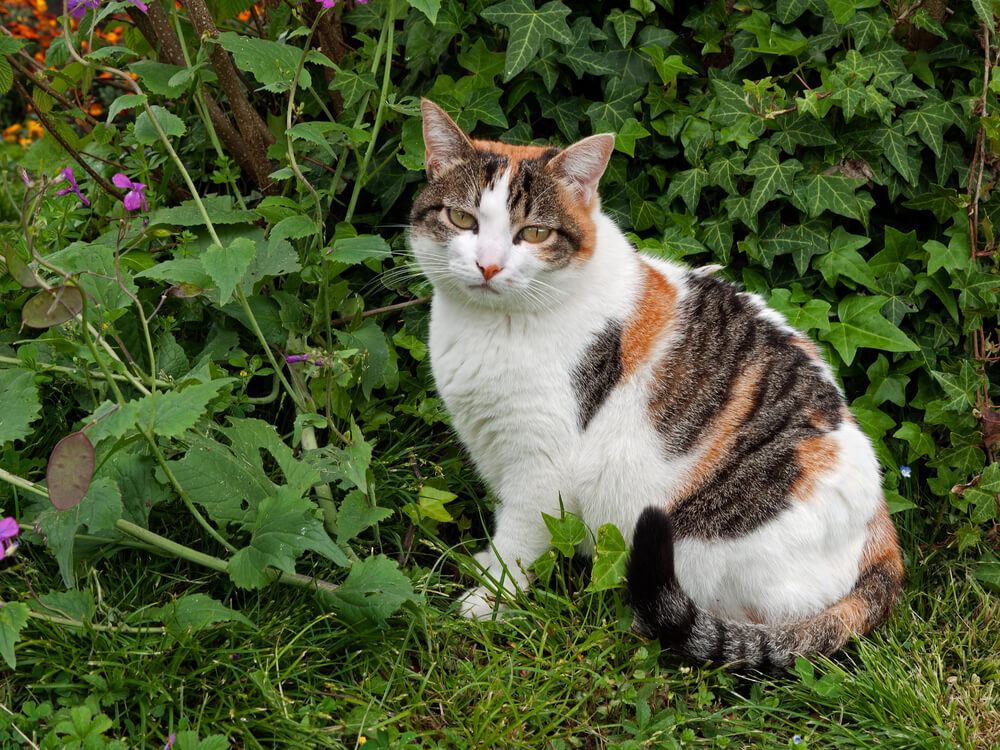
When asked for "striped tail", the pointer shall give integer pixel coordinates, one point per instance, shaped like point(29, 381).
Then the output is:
point(662, 610)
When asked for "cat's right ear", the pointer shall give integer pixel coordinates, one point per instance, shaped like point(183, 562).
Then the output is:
point(445, 143)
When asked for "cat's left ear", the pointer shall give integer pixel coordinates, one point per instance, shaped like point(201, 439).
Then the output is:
point(583, 164)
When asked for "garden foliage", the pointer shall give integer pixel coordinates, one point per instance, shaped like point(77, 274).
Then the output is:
point(213, 316)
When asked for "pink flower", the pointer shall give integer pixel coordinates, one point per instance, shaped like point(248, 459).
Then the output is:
point(67, 174)
point(135, 197)
point(8, 530)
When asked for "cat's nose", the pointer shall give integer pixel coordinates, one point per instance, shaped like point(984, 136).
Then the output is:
point(489, 272)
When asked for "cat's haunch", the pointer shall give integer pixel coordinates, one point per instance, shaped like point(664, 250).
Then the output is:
point(642, 393)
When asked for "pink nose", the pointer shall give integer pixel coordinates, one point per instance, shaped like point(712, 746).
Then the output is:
point(489, 271)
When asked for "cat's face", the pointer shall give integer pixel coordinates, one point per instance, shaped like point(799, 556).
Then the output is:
point(501, 225)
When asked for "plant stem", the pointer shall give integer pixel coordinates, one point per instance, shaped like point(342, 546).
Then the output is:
point(185, 498)
point(24, 484)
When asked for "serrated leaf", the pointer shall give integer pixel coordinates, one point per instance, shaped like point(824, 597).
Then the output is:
point(226, 265)
point(356, 514)
point(273, 64)
point(6, 75)
point(17, 414)
point(352, 461)
point(13, 617)
point(281, 529)
point(860, 324)
point(219, 208)
point(69, 470)
point(194, 612)
point(610, 559)
point(528, 27)
point(374, 590)
point(566, 532)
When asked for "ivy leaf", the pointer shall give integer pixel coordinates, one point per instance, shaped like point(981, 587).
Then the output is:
point(801, 241)
point(867, 28)
point(955, 256)
point(801, 130)
point(624, 22)
point(610, 559)
point(667, 68)
point(484, 65)
point(860, 324)
point(567, 532)
point(960, 388)
point(731, 103)
point(921, 444)
point(845, 260)
point(529, 27)
point(814, 315)
point(617, 105)
point(771, 176)
point(429, 8)
point(899, 150)
point(226, 266)
point(930, 121)
point(688, 185)
point(482, 105)
point(724, 170)
point(816, 193)
point(626, 136)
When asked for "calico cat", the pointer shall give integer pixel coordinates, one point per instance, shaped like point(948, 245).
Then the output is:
point(635, 391)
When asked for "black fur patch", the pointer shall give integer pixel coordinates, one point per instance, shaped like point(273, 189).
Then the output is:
point(598, 372)
point(723, 336)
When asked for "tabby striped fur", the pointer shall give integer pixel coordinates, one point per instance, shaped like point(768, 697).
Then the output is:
point(635, 391)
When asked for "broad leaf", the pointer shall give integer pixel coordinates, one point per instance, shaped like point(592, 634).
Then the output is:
point(529, 27)
point(860, 324)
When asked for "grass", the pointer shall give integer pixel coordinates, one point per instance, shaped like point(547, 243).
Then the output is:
point(563, 671)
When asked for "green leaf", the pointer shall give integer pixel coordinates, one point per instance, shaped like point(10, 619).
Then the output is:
point(801, 241)
point(219, 208)
point(98, 511)
point(354, 250)
point(374, 590)
point(13, 617)
point(610, 559)
point(987, 572)
point(482, 106)
point(816, 193)
point(899, 150)
point(271, 63)
point(921, 443)
point(17, 414)
point(814, 315)
point(688, 185)
point(429, 8)
point(282, 528)
point(731, 103)
point(431, 502)
point(194, 612)
point(125, 101)
point(930, 121)
point(771, 176)
point(353, 86)
point(625, 22)
point(861, 324)
point(567, 532)
point(226, 266)
point(961, 388)
point(352, 462)
point(955, 256)
point(356, 514)
point(528, 27)
point(146, 133)
point(845, 260)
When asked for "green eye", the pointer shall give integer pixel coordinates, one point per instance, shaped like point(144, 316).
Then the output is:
point(461, 219)
point(535, 234)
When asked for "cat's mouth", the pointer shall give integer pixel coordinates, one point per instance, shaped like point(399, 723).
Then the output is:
point(484, 287)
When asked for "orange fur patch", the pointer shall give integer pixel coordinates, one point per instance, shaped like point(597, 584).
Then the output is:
point(815, 456)
point(882, 547)
point(652, 314)
point(806, 345)
point(513, 153)
point(853, 613)
point(721, 434)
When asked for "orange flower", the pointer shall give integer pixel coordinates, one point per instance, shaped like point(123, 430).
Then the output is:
point(95, 109)
point(10, 134)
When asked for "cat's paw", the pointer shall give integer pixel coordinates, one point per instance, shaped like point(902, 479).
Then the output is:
point(479, 604)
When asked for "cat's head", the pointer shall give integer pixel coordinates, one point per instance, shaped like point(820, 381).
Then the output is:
point(500, 225)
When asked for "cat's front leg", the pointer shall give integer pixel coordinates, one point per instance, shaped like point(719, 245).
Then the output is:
point(521, 537)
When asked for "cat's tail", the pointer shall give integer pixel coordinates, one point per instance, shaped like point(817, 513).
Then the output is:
point(663, 611)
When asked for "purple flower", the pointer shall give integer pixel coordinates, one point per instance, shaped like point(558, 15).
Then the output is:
point(134, 198)
point(24, 177)
point(327, 3)
point(292, 358)
point(170, 741)
point(77, 8)
point(8, 530)
point(67, 174)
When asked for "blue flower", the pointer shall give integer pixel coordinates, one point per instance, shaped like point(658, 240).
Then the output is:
point(905, 472)
point(796, 739)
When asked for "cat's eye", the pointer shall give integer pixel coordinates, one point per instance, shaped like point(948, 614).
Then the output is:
point(535, 234)
point(461, 219)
